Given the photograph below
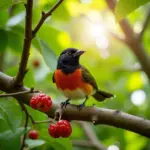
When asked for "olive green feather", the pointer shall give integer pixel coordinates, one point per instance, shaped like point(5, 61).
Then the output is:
point(99, 95)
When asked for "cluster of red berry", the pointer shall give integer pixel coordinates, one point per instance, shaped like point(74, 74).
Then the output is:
point(61, 129)
point(43, 103)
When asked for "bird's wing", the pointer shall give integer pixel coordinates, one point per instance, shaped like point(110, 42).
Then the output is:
point(87, 77)
point(53, 77)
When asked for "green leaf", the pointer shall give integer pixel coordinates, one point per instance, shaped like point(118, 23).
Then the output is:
point(38, 116)
point(3, 121)
point(36, 44)
point(15, 41)
point(49, 56)
point(3, 40)
point(9, 140)
point(58, 13)
point(65, 143)
point(12, 113)
point(12, 71)
point(29, 79)
point(51, 35)
point(5, 3)
point(125, 7)
point(60, 143)
point(3, 17)
point(34, 143)
point(13, 21)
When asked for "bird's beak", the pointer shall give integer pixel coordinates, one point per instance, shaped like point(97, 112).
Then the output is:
point(79, 53)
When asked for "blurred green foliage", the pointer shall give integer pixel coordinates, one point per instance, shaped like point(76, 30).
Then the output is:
point(84, 24)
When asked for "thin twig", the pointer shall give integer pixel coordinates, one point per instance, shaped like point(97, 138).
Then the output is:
point(29, 35)
point(32, 120)
point(1, 60)
point(26, 47)
point(44, 17)
point(85, 144)
point(18, 93)
point(122, 39)
point(145, 25)
point(91, 136)
point(117, 37)
point(25, 126)
point(132, 41)
point(44, 121)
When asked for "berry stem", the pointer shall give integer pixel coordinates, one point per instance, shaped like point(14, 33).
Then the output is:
point(44, 121)
point(18, 93)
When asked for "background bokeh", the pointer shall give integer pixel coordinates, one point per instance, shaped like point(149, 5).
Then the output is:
point(87, 25)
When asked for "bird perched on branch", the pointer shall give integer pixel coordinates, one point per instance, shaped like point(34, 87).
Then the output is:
point(74, 80)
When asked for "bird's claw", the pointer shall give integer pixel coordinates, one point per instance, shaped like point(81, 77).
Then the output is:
point(80, 106)
point(64, 104)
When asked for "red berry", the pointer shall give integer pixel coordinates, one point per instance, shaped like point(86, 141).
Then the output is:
point(33, 102)
point(53, 130)
point(33, 134)
point(41, 102)
point(64, 129)
point(36, 63)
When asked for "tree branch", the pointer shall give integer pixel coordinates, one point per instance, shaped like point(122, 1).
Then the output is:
point(91, 114)
point(29, 35)
point(91, 136)
point(145, 25)
point(117, 37)
point(44, 17)
point(85, 144)
point(18, 81)
point(132, 41)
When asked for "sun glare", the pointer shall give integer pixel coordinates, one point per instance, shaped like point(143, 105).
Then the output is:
point(86, 1)
point(98, 31)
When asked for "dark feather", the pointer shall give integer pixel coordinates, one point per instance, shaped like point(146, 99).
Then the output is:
point(53, 78)
point(87, 77)
point(101, 95)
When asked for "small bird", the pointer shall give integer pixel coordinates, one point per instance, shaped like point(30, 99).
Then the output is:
point(74, 80)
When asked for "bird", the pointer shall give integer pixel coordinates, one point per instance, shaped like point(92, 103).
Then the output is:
point(74, 80)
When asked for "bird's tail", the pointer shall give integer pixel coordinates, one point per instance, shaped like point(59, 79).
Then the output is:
point(101, 95)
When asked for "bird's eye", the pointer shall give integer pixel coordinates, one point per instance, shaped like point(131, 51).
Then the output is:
point(68, 53)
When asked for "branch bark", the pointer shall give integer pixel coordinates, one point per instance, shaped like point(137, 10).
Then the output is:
point(132, 41)
point(29, 35)
point(18, 81)
point(91, 114)
point(18, 93)
point(145, 25)
point(85, 144)
point(92, 137)
point(44, 17)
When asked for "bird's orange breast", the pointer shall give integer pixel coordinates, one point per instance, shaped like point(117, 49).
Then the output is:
point(72, 81)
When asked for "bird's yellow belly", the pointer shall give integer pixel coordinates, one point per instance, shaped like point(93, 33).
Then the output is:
point(76, 94)
point(72, 85)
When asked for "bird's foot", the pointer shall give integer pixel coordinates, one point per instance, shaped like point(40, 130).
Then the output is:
point(79, 107)
point(64, 104)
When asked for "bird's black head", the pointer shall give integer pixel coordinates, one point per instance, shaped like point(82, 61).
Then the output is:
point(69, 58)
